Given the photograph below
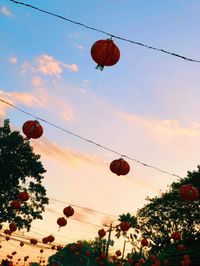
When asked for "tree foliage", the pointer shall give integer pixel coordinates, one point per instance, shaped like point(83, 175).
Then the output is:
point(167, 213)
point(20, 170)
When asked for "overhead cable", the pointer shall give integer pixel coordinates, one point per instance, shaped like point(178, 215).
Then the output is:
point(107, 33)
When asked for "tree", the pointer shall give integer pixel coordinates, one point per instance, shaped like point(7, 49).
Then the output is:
point(167, 213)
point(20, 170)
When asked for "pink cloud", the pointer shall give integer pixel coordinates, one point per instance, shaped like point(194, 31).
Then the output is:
point(6, 12)
point(13, 60)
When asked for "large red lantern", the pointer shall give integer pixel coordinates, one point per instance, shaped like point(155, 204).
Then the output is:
point(45, 240)
point(50, 238)
point(32, 129)
point(23, 196)
point(120, 167)
point(61, 221)
point(188, 192)
point(124, 226)
point(15, 204)
point(68, 211)
point(101, 233)
point(105, 53)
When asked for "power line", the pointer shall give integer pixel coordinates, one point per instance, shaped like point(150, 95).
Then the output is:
point(84, 208)
point(91, 141)
point(107, 33)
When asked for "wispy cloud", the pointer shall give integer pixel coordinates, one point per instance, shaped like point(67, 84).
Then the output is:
point(47, 65)
point(6, 12)
point(79, 46)
point(12, 60)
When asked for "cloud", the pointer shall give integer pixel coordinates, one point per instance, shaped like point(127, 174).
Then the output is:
point(68, 114)
point(79, 46)
point(12, 60)
point(66, 155)
point(6, 12)
point(47, 65)
point(164, 129)
point(36, 82)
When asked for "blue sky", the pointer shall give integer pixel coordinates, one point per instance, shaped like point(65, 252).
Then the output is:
point(146, 106)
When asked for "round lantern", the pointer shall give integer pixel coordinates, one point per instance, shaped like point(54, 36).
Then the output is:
point(118, 253)
point(44, 240)
point(21, 244)
point(7, 238)
point(105, 53)
point(120, 167)
point(50, 238)
point(33, 241)
point(176, 236)
point(124, 226)
point(32, 129)
point(101, 232)
point(144, 242)
point(72, 248)
point(12, 227)
point(41, 250)
point(87, 253)
point(181, 247)
point(23, 196)
point(7, 232)
point(188, 192)
point(15, 204)
point(61, 221)
point(103, 256)
point(68, 211)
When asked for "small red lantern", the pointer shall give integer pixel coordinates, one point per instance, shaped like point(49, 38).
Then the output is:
point(14, 253)
point(114, 258)
point(21, 244)
point(59, 248)
point(101, 233)
point(120, 167)
point(41, 250)
point(7, 238)
point(7, 232)
point(33, 241)
point(181, 247)
point(124, 226)
point(12, 227)
point(32, 129)
point(130, 260)
point(61, 221)
point(15, 204)
point(50, 238)
point(144, 242)
point(68, 211)
point(72, 248)
point(118, 253)
point(188, 192)
point(87, 253)
point(45, 240)
point(105, 53)
point(103, 256)
point(176, 236)
point(23, 196)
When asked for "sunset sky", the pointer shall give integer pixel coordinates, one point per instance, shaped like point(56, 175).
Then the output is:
point(145, 107)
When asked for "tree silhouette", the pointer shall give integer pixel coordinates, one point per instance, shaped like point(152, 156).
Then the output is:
point(20, 170)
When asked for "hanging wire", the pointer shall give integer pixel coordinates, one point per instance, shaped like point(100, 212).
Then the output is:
point(84, 208)
point(107, 33)
point(91, 141)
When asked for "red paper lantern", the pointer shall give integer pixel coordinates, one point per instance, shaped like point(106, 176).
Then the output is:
point(23, 196)
point(21, 244)
point(120, 167)
point(32, 129)
point(72, 248)
point(15, 204)
point(68, 211)
point(114, 258)
point(124, 226)
point(101, 232)
point(176, 236)
point(50, 238)
point(103, 256)
point(105, 53)
point(33, 241)
point(7, 238)
point(188, 192)
point(7, 232)
point(41, 250)
point(61, 221)
point(87, 253)
point(181, 247)
point(12, 227)
point(144, 242)
point(118, 253)
point(45, 240)
point(130, 260)
point(14, 253)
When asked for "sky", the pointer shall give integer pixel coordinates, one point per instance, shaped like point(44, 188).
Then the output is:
point(145, 107)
